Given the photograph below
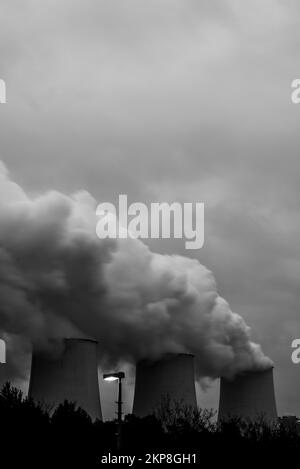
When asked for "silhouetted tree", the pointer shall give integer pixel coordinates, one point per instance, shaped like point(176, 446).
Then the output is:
point(32, 434)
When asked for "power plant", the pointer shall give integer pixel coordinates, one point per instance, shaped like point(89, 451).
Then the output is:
point(171, 377)
point(248, 395)
point(71, 376)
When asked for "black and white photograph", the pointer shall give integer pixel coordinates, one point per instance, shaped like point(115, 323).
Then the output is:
point(149, 233)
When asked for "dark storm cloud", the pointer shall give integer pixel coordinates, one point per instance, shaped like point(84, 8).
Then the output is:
point(171, 100)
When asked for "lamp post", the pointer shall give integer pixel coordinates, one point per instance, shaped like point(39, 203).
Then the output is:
point(113, 377)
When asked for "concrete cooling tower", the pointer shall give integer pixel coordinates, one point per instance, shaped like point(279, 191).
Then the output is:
point(172, 376)
point(2, 362)
point(3, 377)
point(248, 395)
point(72, 375)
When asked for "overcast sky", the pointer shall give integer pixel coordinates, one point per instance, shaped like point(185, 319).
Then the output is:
point(171, 100)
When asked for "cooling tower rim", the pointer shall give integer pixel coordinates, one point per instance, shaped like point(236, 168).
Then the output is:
point(164, 357)
point(80, 339)
point(65, 342)
point(247, 373)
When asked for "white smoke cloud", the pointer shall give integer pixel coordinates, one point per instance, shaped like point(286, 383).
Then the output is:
point(58, 279)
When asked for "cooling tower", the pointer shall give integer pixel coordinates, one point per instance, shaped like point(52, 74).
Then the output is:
point(172, 377)
point(72, 375)
point(2, 362)
point(248, 395)
point(3, 377)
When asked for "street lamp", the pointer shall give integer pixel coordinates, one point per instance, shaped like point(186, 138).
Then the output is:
point(119, 375)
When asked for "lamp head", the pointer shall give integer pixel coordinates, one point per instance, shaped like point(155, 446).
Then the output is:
point(113, 376)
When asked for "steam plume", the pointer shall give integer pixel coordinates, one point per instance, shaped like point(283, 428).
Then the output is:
point(58, 279)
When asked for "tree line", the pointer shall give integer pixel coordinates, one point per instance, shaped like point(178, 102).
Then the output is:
point(66, 436)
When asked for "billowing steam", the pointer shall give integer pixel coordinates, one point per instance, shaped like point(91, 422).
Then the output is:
point(57, 279)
